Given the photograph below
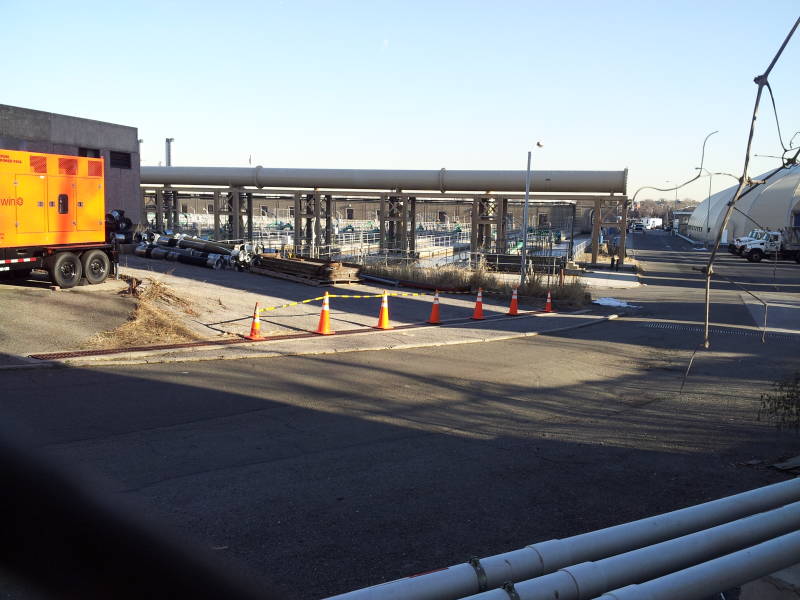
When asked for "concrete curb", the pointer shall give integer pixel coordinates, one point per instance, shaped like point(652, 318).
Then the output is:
point(277, 353)
point(38, 364)
point(688, 239)
point(272, 352)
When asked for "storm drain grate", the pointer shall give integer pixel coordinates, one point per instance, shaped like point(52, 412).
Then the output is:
point(719, 330)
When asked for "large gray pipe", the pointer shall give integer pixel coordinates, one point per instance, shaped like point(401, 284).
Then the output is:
point(596, 182)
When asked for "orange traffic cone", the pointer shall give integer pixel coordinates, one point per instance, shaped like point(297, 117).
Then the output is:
point(478, 314)
point(514, 308)
point(548, 305)
point(434, 320)
point(255, 326)
point(383, 316)
point(324, 327)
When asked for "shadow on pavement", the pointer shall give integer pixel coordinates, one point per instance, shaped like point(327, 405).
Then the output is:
point(343, 472)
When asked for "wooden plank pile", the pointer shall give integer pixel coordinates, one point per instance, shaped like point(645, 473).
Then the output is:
point(311, 271)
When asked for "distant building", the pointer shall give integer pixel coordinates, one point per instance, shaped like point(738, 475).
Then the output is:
point(117, 145)
point(774, 205)
point(681, 221)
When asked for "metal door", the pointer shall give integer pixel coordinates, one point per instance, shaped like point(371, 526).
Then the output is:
point(61, 204)
point(31, 192)
point(89, 204)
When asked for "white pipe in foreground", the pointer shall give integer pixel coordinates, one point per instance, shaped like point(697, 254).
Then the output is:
point(717, 575)
point(589, 579)
point(545, 557)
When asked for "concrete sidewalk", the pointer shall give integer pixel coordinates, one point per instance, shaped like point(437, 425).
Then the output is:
point(219, 306)
point(610, 280)
point(783, 313)
point(456, 331)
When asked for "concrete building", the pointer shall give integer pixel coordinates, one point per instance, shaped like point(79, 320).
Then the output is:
point(774, 205)
point(680, 221)
point(118, 145)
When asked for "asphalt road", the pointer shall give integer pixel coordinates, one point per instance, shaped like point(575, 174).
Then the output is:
point(323, 474)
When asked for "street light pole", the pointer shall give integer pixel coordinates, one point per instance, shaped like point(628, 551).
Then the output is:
point(523, 255)
point(708, 210)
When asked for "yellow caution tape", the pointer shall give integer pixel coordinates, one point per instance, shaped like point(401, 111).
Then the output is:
point(288, 304)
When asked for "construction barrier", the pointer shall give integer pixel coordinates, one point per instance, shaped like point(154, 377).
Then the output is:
point(324, 324)
point(434, 318)
point(255, 326)
point(324, 327)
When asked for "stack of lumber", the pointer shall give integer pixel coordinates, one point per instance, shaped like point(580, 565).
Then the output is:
point(311, 271)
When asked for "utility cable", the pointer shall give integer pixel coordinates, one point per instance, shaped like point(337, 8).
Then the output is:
point(761, 81)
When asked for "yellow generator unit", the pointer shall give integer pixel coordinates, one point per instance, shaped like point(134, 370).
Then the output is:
point(52, 217)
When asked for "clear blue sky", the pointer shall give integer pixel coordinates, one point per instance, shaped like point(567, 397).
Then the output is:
point(412, 84)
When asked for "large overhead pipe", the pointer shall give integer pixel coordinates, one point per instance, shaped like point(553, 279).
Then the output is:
point(443, 180)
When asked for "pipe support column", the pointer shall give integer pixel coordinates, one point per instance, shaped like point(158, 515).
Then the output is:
point(236, 213)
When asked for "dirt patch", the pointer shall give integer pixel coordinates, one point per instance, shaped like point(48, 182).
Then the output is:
point(155, 320)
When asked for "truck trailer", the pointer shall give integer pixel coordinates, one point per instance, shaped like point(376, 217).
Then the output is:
point(52, 217)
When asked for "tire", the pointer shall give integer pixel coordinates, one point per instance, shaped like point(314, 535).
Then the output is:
point(96, 266)
point(65, 270)
point(755, 256)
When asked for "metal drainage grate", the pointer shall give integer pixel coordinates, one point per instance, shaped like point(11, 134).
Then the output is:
point(719, 330)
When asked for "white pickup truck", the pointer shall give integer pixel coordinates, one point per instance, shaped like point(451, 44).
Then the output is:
point(780, 245)
point(738, 244)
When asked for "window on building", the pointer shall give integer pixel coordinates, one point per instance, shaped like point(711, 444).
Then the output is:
point(210, 209)
point(291, 212)
point(544, 220)
point(349, 214)
point(89, 152)
point(184, 208)
point(63, 204)
point(442, 216)
point(264, 210)
point(120, 160)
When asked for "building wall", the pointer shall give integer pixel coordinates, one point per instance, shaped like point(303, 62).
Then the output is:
point(773, 205)
point(38, 131)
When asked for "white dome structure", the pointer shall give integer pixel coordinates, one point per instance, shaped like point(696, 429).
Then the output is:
point(775, 205)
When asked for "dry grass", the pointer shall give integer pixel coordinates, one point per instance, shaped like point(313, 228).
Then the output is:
point(570, 294)
point(603, 258)
point(155, 320)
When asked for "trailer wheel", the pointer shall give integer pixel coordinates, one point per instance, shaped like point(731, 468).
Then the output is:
point(96, 266)
point(65, 270)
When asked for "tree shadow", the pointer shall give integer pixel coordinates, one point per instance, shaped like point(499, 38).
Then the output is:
point(341, 472)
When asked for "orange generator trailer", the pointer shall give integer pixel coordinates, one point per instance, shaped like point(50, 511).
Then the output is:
point(52, 217)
